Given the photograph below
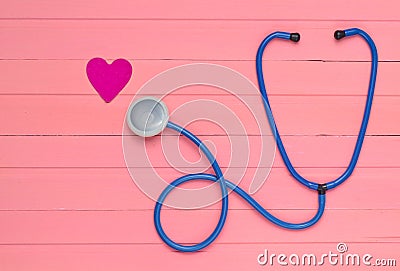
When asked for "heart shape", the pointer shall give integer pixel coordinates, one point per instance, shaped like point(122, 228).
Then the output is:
point(108, 79)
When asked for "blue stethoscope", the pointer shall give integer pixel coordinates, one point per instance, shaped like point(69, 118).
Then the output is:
point(148, 122)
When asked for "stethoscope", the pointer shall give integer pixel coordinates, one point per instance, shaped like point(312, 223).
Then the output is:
point(148, 116)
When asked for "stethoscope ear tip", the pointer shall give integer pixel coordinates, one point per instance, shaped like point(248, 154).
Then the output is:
point(295, 37)
point(339, 34)
point(147, 116)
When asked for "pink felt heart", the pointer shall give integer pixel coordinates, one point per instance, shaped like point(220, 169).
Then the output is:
point(108, 79)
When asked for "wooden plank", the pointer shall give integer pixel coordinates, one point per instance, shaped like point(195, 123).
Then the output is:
point(211, 40)
point(239, 115)
point(260, 10)
point(69, 77)
point(158, 257)
point(106, 151)
point(108, 227)
point(113, 189)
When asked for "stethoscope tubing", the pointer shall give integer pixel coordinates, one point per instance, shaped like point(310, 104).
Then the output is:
point(226, 184)
point(364, 123)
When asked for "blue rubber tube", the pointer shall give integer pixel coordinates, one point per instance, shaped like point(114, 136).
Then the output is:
point(225, 184)
point(367, 109)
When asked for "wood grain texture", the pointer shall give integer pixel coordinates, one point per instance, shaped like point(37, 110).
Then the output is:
point(105, 151)
point(244, 10)
point(189, 226)
point(44, 77)
point(209, 40)
point(67, 201)
point(295, 115)
point(155, 256)
point(110, 189)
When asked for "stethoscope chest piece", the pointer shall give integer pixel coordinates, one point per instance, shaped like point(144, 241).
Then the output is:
point(147, 116)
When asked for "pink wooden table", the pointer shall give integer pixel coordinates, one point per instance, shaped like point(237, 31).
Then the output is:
point(67, 201)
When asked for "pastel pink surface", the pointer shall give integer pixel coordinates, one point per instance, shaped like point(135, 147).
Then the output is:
point(43, 77)
point(101, 257)
point(79, 189)
point(67, 201)
point(182, 9)
point(169, 40)
point(108, 79)
point(74, 114)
